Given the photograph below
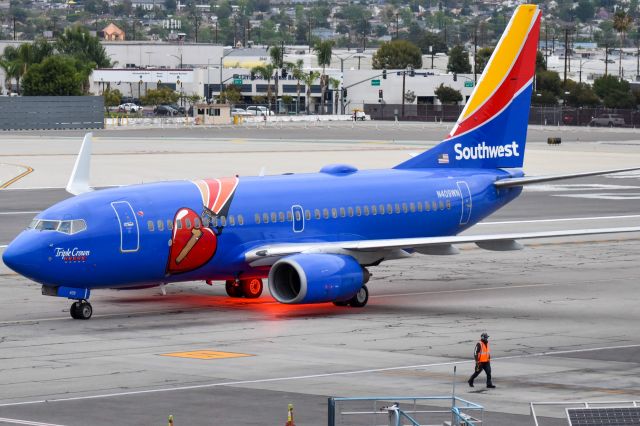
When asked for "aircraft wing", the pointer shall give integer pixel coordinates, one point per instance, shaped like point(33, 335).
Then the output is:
point(528, 180)
point(374, 251)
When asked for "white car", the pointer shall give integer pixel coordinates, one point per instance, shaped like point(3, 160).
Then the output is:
point(259, 110)
point(240, 111)
point(129, 107)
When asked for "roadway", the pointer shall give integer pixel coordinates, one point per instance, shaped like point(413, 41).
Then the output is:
point(562, 316)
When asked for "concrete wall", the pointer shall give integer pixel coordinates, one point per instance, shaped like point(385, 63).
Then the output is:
point(51, 112)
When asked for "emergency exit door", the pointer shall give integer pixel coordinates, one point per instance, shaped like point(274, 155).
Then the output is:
point(465, 195)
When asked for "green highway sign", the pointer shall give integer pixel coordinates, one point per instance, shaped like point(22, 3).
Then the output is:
point(375, 82)
point(237, 81)
point(468, 84)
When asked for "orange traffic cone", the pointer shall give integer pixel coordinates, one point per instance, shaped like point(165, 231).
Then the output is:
point(170, 420)
point(290, 417)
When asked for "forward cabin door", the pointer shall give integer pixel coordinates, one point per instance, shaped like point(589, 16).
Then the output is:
point(128, 222)
point(465, 195)
point(298, 218)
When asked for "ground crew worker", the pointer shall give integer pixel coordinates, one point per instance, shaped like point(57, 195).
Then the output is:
point(482, 356)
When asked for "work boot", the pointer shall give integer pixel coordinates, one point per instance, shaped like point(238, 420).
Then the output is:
point(470, 383)
point(491, 386)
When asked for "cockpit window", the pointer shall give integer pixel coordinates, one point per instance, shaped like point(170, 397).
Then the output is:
point(68, 227)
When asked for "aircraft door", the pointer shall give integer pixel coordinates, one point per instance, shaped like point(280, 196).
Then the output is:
point(129, 232)
point(298, 218)
point(465, 194)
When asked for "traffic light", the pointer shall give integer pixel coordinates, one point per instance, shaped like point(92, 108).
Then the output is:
point(380, 95)
point(412, 72)
point(455, 76)
point(384, 74)
point(253, 75)
point(284, 73)
point(344, 92)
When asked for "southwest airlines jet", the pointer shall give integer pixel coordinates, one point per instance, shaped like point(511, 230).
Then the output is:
point(313, 235)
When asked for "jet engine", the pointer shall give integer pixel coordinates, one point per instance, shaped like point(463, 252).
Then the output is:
point(316, 278)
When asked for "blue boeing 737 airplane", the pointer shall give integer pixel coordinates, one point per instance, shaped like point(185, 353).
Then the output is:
point(313, 235)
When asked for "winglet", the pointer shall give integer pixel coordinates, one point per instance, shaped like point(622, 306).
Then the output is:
point(79, 179)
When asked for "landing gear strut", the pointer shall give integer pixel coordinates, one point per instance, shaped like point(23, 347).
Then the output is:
point(250, 288)
point(81, 309)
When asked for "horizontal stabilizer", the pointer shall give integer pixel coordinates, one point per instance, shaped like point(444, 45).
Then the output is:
point(521, 181)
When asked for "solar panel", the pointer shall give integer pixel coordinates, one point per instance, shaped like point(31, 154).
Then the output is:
point(610, 416)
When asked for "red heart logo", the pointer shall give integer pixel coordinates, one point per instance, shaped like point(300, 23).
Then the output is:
point(191, 246)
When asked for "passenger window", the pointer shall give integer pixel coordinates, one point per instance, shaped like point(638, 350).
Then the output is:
point(441, 205)
point(448, 204)
point(374, 210)
point(206, 221)
point(223, 221)
point(316, 213)
point(265, 217)
point(273, 216)
point(196, 223)
point(289, 216)
point(390, 209)
point(350, 211)
point(169, 225)
point(214, 221)
point(232, 220)
point(298, 216)
point(281, 216)
point(65, 227)
point(334, 213)
point(307, 214)
point(160, 225)
point(179, 224)
point(397, 208)
point(257, 218)
point(240, 220)
point(342, 212)
point(187, 223)
point(150, 225)
point(325, 213)
point(404, 208)
point(434, 206)
point(366, 210)
point(412, 207)
point(358, 211)
point(419, 206)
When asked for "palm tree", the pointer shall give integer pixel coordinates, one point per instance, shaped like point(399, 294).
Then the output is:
point(10, 69)
point(265, 72)
point(297, 73)
point(277, 59)
point(335, 85)
point(308, 80)
point(323, 53)
point(621, 23)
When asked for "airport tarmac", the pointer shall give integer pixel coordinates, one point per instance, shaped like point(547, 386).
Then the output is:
point(562, 315)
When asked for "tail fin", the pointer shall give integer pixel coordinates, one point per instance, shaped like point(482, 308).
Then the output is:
point(492, 129)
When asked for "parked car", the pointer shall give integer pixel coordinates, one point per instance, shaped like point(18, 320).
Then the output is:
point(359, 115)
point(129, 107)
point(240, 111)
point(181, 110)
point(165, 110)
point(608, 120)
point(259, 110)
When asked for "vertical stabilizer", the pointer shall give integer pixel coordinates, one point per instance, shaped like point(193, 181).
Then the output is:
point(492, 129)
point(79, 179)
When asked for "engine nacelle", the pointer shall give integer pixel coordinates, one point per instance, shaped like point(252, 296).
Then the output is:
point(316, 278)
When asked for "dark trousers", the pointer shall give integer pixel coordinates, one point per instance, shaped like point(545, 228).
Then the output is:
point(486, 366)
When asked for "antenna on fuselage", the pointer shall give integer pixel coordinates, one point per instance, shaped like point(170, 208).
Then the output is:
point(79, 179)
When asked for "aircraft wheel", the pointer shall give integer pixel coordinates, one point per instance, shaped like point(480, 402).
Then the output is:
point(341, 303)
point(81, 310)
point(233, 288)
point(252, 288)
point(361, 298)
point(74, 310)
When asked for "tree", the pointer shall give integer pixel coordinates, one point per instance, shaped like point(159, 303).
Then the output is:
point(458, 61)
point(159, 96)
point(266, 73)
point(482, 58)
point(580, 95)
point(111, 98)
point(308, 80)
point(323, 51)
point(614, 93)
point(397, 54)
point(584, 11)
point(297, 73)
point(549, 81)
point(55, 76)
point(448, 95)
point(335, 86)
point(621, 23)
point(277, 59)
point(79, 43)
point(541, 64)
point(230, 95)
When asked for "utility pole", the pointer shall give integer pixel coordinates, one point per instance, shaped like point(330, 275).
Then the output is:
point(566, 54)
point(475, 54)
point(216, 32)
point(606, 58)
point(546, 42)
point(14, 28)
point(309, 33)
point(638, 55)
point(196, 18)
point(397, 14)
point(404, 75)
point(364, 35)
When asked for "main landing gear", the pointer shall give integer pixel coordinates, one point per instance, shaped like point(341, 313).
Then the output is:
point(359, 300)
point(81, 309)
point(249, 288)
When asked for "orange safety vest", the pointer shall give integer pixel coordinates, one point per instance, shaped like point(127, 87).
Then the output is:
point(484, 355)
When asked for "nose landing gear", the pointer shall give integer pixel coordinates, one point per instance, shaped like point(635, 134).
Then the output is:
point(249, 288)
point(81, 309)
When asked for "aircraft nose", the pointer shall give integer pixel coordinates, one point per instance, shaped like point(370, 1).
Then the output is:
point(19, 255)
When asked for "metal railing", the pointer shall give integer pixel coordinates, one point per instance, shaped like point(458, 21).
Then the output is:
point(461, 412)
point(582, 404)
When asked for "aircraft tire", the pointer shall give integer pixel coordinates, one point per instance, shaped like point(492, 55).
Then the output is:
point(81, 310)
point(341, 303)
point(73, 311)
point(233, 289)
point(360, 299)
point(251, 288)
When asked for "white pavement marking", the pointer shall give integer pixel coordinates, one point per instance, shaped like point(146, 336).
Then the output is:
point(25, 422)
point(603, 196)
point(3, 246)
point(16, 213)
point(309, 376)
point(564, 219)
